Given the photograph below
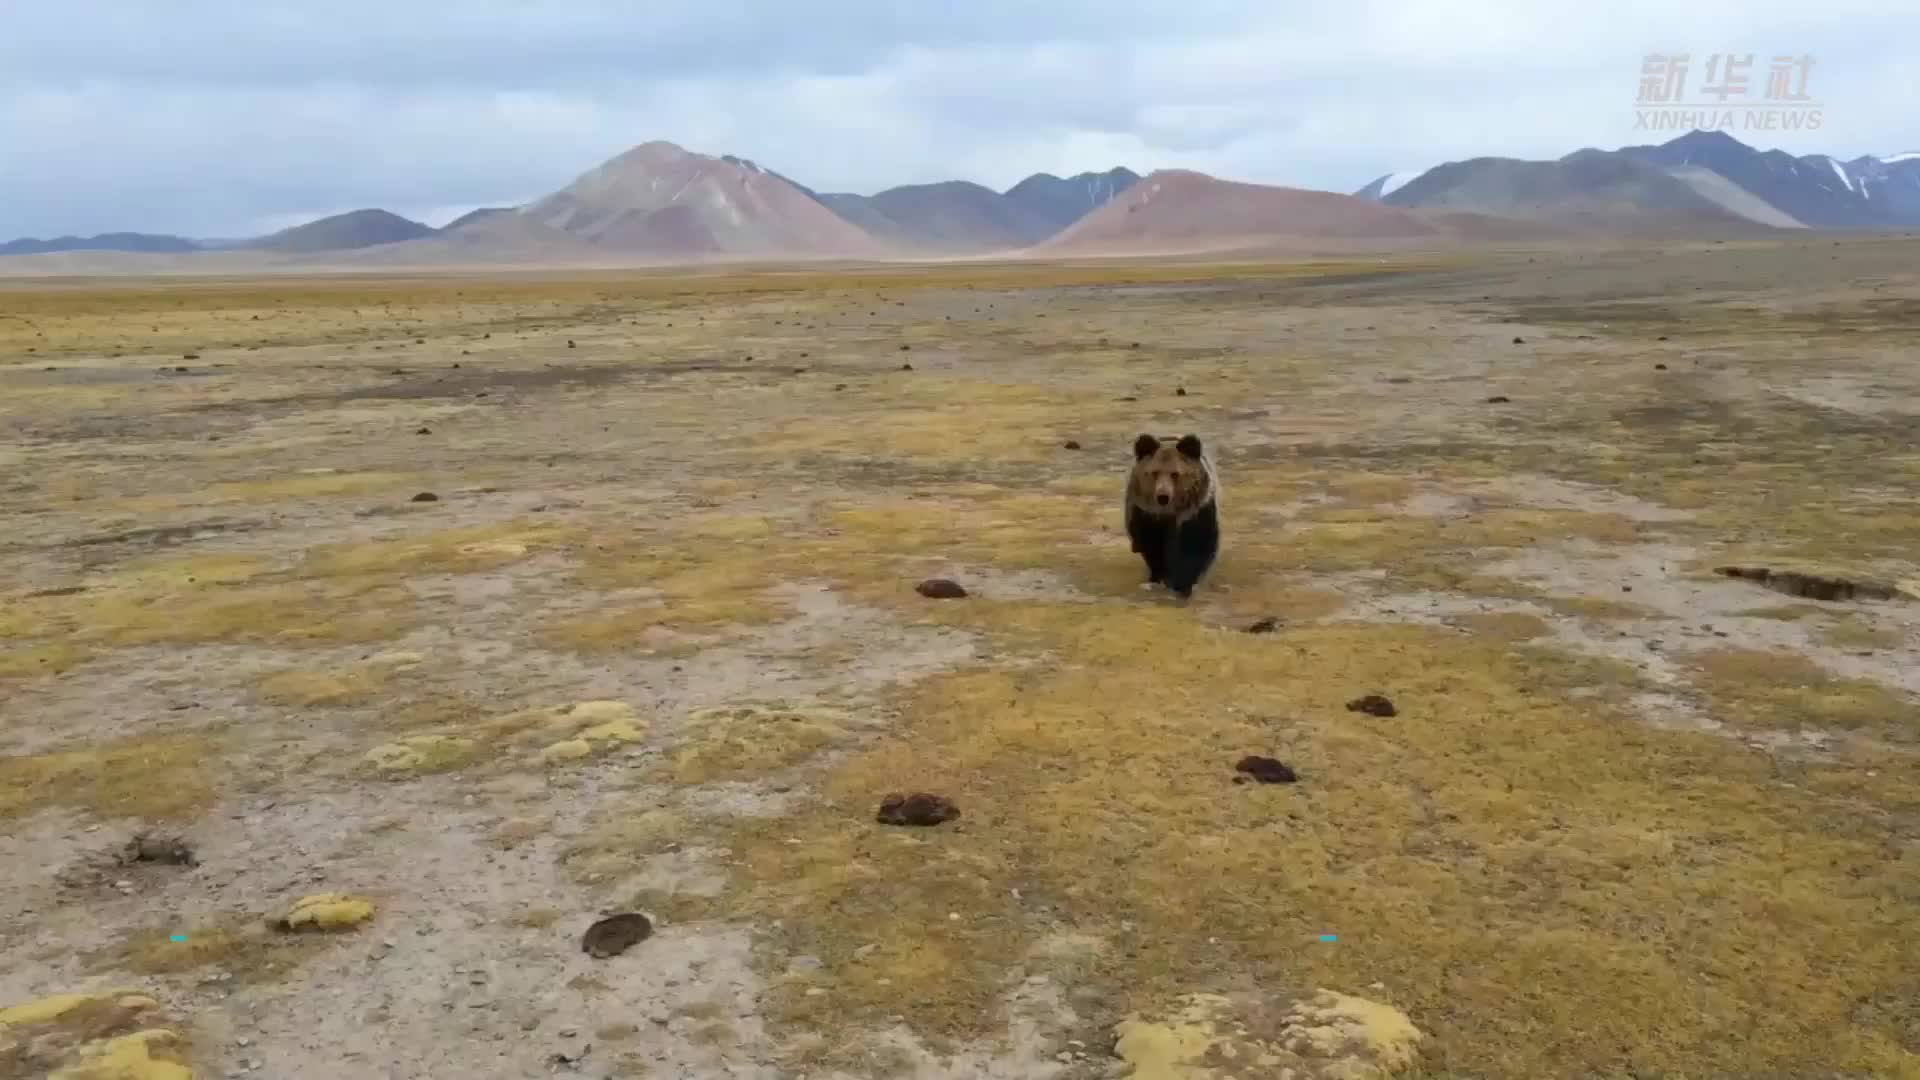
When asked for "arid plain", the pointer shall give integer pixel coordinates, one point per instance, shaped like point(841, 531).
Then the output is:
point(654, 644)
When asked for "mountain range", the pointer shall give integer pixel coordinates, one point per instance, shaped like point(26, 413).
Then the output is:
point(1701, 173)
point(659, 202)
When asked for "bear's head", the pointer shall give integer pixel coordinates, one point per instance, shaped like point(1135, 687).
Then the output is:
point(1169, 478)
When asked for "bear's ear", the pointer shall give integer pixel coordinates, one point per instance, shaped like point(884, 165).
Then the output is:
point(1144, 446)
point(1189, 446)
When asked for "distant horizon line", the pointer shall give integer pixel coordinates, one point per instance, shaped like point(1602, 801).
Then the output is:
point(203, 240)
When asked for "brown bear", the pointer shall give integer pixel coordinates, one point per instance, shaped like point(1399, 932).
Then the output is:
point(1173, 496)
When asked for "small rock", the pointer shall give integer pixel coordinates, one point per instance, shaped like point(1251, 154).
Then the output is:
point(1071, 444)
point(1179, 391)
point(570, 343)
point(906, 367)
point(916, 809)
point(1659, 367)
point(1372, 705)
point(940, 589)
point(1264, 626)
point(906, 348)
point(615, 934)
point(1266, 770)
point(426, 496)
point(157, 848)
point(190, 356)
point(1519, 341)
point(1498, 399)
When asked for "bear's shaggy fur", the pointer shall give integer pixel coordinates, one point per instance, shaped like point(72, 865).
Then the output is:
point(1173, 497)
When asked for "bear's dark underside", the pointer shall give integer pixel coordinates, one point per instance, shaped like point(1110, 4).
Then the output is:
point(1177, 552)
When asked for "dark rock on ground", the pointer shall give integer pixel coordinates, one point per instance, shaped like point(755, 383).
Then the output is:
point(1372, 705)
point(917, 809)
point(615, 934)
point(1264, 769)
point(940, 589)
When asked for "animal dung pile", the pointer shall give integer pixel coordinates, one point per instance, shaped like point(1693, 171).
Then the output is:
point(1264, 769)
point(615, 934)
point(940, 589)
point(917, 809)
point(1372, 705)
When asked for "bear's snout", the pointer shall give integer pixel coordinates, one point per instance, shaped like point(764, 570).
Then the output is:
point(1163, 498)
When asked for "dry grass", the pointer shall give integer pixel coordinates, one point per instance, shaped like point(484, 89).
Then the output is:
point(1493, 835)
point(244, 951)
point(1786, 691)
point(1545, 883)
point(155, 778)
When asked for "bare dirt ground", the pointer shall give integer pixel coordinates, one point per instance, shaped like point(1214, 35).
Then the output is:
point(655, 646)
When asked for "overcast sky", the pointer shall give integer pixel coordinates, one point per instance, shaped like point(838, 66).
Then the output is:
point(230, 118)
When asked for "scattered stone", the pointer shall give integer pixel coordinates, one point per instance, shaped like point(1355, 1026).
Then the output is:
point(1264, 626)
point(615, 934)
point(940, 589)
point(426, 496)
point(906, 348)
point(570, 343)
point(917, 809)
point(159, 848)
point(1071, 444)
point(1264, 769)
point(1372, 705)
point(190, 356)
point(424, 431)
point(906, 367)
point(1519, 341)
point(325, 911)
point(1179, 391)
point(1659, 367)
point(1498, 399)
point(1813, 586)
point(1662, 337)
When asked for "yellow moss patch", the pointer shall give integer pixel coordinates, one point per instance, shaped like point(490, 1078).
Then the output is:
point(164, 778)
point(1505, 625)
point(449, 551)
point(422, 754)
point(29, 661)
point(1853, 633)
point(316, 485)
point(551, 735)
point(326, 911)
point(747, 740)
point(48, 1009)
point(194, 610)
point(244, 951)
point(1786, 691)
point(102, 1036)
point(621, 842)
point(307, 687)
point(1333, 1036)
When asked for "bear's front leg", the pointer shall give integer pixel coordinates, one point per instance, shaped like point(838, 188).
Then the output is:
point(1191, 552)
